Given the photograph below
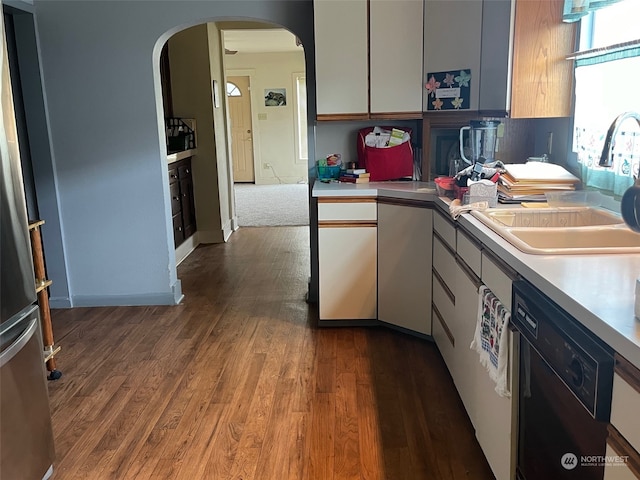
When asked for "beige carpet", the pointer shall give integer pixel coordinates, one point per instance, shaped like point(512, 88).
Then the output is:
point(272, 205)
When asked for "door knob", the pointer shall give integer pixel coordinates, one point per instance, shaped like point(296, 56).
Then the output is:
point(248, 131)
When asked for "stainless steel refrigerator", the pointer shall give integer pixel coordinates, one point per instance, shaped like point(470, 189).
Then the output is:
point(26, 437)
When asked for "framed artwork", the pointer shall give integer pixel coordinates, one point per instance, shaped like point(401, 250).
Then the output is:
point(449, 90)
point(275, 97)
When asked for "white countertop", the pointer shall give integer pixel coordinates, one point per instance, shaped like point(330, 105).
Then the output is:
point(598, 290)
point(174, 157)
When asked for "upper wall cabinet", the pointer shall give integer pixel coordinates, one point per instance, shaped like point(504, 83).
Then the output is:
point(452, 41)
point(515, 49)
point(368, 59)
point(542, 78)
point(395, 56)
point(342, 64)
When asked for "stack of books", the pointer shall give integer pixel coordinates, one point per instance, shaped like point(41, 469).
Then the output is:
point(354, 175)
point(529, 181)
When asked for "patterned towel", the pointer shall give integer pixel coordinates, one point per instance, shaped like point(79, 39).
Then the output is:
point(489, 341)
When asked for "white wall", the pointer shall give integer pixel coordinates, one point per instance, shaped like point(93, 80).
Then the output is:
point(100, 63)
point(274, 136)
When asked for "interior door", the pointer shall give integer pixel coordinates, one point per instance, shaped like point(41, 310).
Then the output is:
point(241, 132)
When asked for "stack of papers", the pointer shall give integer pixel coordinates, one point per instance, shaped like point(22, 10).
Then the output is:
point(529, 181)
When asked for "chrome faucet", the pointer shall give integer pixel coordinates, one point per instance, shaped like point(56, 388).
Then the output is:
point(606, 158)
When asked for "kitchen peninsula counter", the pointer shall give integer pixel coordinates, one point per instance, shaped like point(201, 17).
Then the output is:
point(597, 289)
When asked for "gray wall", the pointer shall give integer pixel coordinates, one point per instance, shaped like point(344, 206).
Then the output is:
point(100, 62)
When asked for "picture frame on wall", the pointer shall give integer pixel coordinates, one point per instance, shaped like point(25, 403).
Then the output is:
point(275, 97)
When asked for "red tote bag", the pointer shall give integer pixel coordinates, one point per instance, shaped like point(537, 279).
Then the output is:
point(391, 163)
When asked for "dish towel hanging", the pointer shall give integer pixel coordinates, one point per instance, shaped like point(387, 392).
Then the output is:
point(491, 338)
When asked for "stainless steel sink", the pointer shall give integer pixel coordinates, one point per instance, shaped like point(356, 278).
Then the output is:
point(562, 231)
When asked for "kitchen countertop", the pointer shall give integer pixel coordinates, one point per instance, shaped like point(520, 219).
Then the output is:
point(598, 290)
point(174, 157)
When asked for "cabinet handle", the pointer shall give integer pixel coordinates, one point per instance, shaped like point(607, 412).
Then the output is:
point(188, 171)
point(176, 198)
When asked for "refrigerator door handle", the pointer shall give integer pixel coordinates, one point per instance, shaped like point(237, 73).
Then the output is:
point(21, 341)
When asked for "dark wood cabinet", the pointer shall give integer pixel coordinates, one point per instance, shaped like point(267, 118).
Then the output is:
point(182, 202)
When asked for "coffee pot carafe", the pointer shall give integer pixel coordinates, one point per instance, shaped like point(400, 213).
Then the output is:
point(483, 135)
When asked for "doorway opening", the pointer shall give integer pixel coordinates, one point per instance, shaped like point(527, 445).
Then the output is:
point(267, 99)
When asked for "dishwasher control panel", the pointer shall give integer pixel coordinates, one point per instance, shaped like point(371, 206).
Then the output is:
point(582, 361)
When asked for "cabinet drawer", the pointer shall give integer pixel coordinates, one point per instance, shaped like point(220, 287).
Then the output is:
point(617, 471)
point(173, 173)
point(625, 401)
point(498, 281)
point(444, 340)
point(355, 211)
point(174, 189)
point(445, 305)
point(184, 171)
point(444, 263)
point(470, 252)
point(178, 230)
point(445, 229)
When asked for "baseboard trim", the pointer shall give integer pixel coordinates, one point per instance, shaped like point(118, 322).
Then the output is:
point(60, 302)
point(178, 296)
point(185, 248)
point(168, 298)
point(227, 230)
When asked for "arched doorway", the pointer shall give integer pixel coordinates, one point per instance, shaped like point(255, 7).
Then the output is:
point(195, 67)
point(109, 169)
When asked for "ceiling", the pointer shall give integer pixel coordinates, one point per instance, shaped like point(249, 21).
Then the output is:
point(260, 41)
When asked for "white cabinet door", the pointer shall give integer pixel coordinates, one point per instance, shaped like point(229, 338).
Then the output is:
point(466, 314)
point(341, 57)
point(395, 50)
point(452, 42)
point(347, 272)
point(404, 266)
point(496, 418)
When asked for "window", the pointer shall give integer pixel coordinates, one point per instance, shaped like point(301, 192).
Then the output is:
point(607, 69)
point(233, 90)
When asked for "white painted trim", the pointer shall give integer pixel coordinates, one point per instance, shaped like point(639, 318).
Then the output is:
point(296, 129)
point(168, 298)
point(227, 230)
point(185, 248)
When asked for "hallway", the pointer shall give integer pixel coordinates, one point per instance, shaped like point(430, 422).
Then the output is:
point(237, 383)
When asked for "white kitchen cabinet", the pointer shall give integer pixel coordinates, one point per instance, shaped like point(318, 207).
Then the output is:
point(466, 314)
point(624, 428)
point(395, 46)
point(496, 416)
point(452, 41)
point(516, 51)
point(368, 59)
point(347, 258)
point(342, 67)
point(404, 265)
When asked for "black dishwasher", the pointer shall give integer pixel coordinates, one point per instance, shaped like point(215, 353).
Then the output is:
point(566, 376)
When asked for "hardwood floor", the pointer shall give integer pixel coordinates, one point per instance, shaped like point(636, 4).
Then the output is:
point(238, 383)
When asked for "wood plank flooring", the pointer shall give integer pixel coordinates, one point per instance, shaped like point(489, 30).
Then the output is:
point(238, 383)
